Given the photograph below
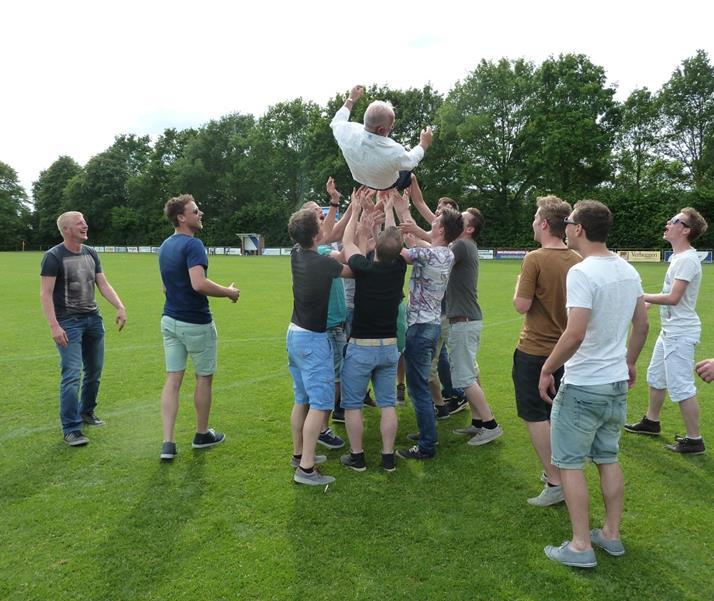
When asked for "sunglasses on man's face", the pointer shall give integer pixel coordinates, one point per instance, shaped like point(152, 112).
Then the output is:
point(676, 220)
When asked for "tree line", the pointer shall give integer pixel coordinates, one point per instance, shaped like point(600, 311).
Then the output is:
point(509, 132)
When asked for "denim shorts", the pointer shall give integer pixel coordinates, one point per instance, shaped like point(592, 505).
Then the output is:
point(338, 339)
point(672, 367)
point(586, 422)
point(362, 363)
point(463, 344)
point(182, 339)
point(310, 360)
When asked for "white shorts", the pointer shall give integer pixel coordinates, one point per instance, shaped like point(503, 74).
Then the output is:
point(463, 344)
point(672, 367)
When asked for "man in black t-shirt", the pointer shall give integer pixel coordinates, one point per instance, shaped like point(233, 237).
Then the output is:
point(68, 275)
point(310, 357)
point(372, 352)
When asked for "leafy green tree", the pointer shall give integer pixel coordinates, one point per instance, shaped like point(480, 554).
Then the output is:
point(573, 124)
point(14, 212)
point(484, 130)
point(48, 195)
point(687, 101)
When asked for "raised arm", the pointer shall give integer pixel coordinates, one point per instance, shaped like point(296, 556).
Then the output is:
point(418, 200)
point(349, 244)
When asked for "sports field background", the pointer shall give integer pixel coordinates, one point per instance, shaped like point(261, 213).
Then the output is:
point(109, 521)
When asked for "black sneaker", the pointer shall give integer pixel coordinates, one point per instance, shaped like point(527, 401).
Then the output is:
point(209, 439)
point(168, 450)
point(330, 440)
point(457, 404)
point(91, 419)
point(414, 453)
point(644, 426)
point(355, 463)
point(442, 411)
point(338, 415)
point(75, 439)
point(388, 463)
point(686, 446)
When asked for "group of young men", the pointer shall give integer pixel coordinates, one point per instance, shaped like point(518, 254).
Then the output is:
point(572, 366)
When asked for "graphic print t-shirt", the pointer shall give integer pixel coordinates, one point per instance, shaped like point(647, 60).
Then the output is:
point(76, 275)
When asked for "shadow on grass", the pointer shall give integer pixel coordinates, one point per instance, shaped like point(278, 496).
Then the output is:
point(140, 551)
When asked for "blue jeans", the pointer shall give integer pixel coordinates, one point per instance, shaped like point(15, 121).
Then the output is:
point(447, 388)
point(365, 363)
point(418, 354)
point(310, 361)
point(85, 352)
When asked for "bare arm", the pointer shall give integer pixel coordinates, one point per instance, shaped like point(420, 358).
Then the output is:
point(567, 346)
point(355, 94)
point(520, 303)
point(418, 200)
point(409, 227)
point(705, 369)
point(349, 245)
point(201, 284)
point(671, 298)
point(47, 286)
point(110, 294)
point(638, 336)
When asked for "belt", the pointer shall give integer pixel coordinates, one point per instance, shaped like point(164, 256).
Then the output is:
point(373, 341)
point(460, 318)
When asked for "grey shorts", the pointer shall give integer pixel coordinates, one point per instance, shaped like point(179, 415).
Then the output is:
point(463, 343)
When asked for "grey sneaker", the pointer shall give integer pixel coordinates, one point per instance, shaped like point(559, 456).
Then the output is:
point(354, 463)
point(313, 479)
point(294, 462)
point(75, 439)
point(208, 439)
point(550, 495)
point(613, 547)
point(168, 450)
point(469, 430)
point(568, 557)
point(484, 436)
point(91, 419)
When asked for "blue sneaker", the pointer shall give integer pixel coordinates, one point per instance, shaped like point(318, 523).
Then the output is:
point(330, 440)
point(568, 557)
point(613, 547)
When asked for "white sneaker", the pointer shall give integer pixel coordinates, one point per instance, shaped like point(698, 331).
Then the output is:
point(550, 495)
point(484, 436)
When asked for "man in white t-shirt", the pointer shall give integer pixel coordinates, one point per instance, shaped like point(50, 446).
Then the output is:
point(374, 159)
point(604, 295)
point(672, 365)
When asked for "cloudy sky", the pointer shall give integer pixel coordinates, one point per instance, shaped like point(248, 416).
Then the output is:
point(77, 73)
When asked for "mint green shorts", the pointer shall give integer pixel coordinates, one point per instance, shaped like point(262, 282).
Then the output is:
point(182, 339)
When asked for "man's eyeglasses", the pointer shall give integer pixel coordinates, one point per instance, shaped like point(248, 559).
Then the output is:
point(567, 221)
point(676, 220)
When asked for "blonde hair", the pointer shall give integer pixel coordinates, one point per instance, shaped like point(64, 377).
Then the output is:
point(64, 219)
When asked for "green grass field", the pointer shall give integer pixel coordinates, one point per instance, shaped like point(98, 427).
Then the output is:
point(109, 521)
